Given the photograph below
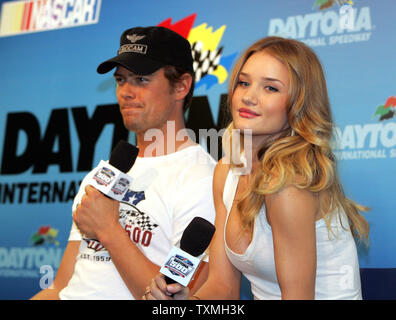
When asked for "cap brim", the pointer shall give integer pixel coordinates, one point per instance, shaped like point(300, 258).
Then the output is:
point(136, 63)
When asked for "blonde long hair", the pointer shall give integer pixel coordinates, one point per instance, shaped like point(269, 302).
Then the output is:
point(302, 154)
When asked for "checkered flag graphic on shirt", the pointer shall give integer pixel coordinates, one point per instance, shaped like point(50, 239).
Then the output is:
point(204, 61)
point(144, 222)
point(138, 218)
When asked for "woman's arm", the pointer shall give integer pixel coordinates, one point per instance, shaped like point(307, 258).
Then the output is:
point(292, 215)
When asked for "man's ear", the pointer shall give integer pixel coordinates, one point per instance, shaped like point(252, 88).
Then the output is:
point(182, 86)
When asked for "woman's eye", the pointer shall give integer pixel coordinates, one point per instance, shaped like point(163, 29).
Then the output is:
point(243, 83)
point(272, 89)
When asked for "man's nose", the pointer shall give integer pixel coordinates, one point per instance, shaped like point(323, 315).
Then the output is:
point(127, 91)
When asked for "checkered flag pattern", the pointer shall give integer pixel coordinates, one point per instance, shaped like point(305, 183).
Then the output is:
point(144, 223)
point(205, 61)
point(138, 218)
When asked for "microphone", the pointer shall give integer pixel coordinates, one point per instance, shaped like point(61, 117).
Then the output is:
point(111, 178)
point(181, 263)
point(123, 156)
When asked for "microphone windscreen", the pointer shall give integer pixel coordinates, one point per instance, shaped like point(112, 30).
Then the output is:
point(123, 156)
point(197, 236)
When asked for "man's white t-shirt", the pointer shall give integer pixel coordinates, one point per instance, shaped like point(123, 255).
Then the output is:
point(166, 193)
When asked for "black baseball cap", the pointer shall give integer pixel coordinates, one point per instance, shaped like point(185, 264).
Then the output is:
point(144, 50)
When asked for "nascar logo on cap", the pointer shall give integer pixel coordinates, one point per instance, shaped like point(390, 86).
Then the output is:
point(135, 48)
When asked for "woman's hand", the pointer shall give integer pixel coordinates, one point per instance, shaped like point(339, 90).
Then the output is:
point(160, 290)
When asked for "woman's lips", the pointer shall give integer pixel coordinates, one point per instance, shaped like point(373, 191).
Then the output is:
point(247, 113)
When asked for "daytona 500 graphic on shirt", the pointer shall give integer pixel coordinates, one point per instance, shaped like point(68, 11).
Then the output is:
point(137, 224)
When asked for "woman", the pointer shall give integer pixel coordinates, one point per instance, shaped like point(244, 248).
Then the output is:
point(286, 225)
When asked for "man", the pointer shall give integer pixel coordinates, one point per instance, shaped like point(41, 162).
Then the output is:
point(115, 249)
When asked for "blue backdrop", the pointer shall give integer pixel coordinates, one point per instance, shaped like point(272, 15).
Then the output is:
point(57, 114)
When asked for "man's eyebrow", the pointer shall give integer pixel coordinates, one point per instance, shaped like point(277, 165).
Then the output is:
point(130, 74)
point(117, 74)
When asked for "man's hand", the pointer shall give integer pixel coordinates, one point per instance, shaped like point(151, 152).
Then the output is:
point(160, 290)
point(96, 214)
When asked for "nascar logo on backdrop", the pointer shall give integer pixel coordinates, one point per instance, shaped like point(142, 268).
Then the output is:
point(387, 110)
point(30, 261)
point(210, 65)
point(18, 17)
point(346, 24)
